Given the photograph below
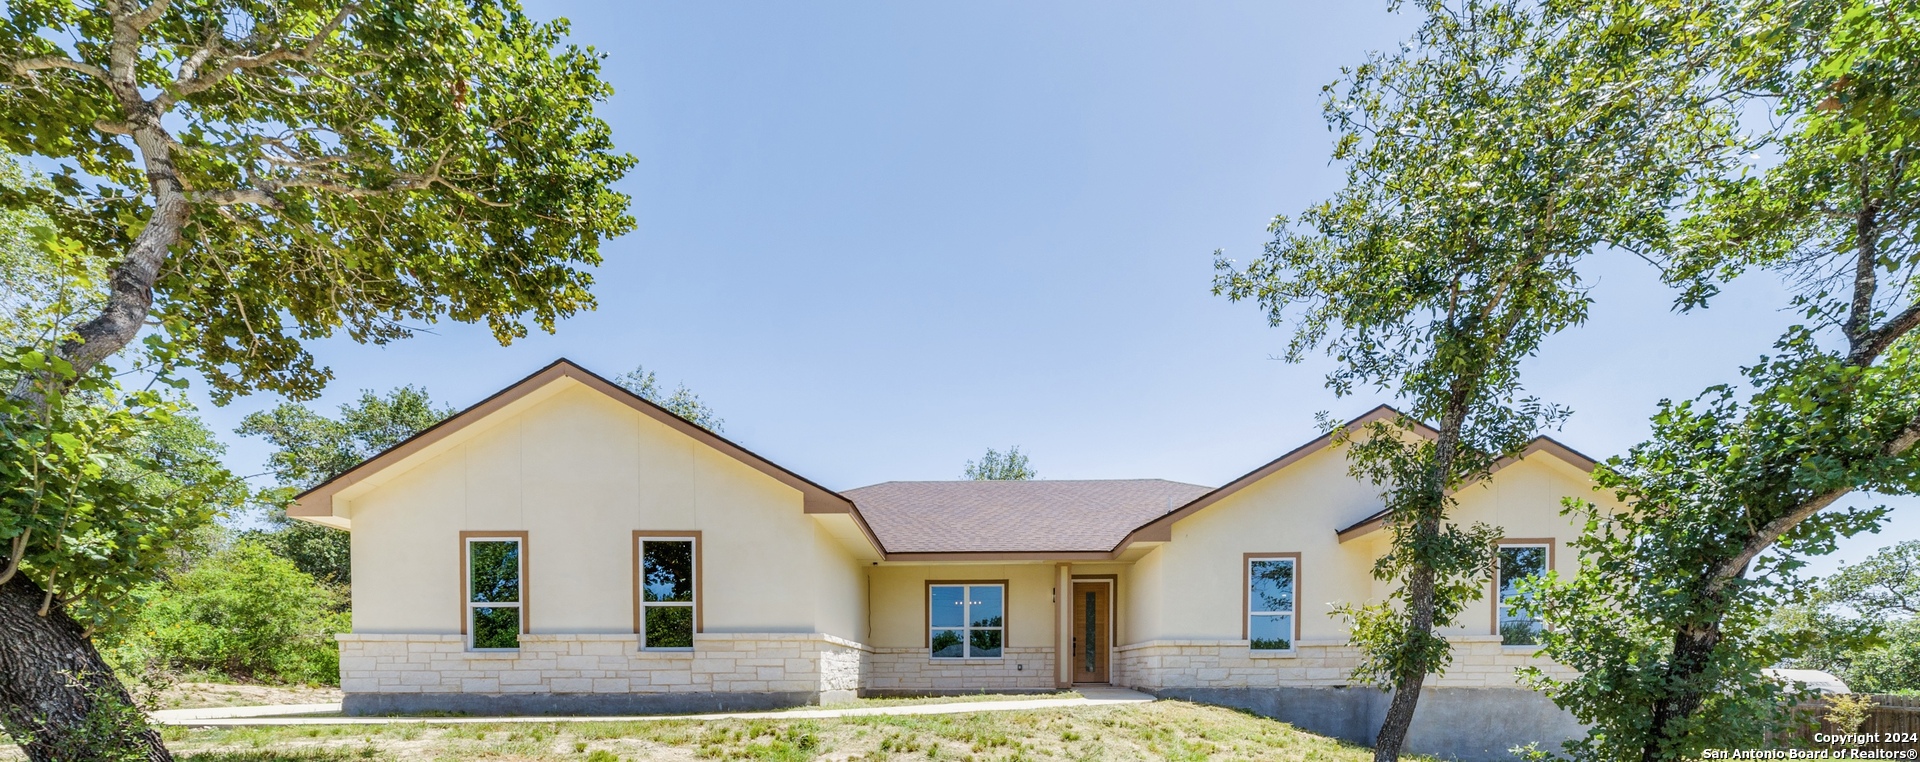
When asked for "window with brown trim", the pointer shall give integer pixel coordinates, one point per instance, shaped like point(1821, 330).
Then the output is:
point(1519, 560)
point(966, 620)
point(667, 586)
point(1271, 601)
point(495, 569)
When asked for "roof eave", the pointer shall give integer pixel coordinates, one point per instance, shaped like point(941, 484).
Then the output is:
point(316, 503)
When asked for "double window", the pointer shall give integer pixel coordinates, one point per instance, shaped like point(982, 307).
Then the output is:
point(496, 570)
point(1519, 560)
point(1273, 581)
point(966, 621)
point(668, 566)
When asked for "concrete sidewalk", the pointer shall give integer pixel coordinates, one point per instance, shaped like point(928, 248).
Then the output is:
point(279, 715)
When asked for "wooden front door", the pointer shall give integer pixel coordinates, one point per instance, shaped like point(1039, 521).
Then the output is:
point(1092, 630)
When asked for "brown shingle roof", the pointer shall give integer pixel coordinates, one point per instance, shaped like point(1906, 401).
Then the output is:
point(1015, 516)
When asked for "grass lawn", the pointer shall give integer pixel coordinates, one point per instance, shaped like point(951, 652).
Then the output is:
point(1162, 730)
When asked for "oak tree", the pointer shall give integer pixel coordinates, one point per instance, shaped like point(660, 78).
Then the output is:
point(1483, 160)
point(254, 175)
point(1738, 484)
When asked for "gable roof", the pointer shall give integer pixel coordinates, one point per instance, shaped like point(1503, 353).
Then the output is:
point(1160, 529)
point(1542, 443)
point(318, 501)
point(1049, 517)
point(943, 520)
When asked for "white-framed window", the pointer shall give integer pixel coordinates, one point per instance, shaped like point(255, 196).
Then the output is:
point(669, 591)
point(496, 571)
point(966, 620)
point(1272, 615)
point(1517, 625)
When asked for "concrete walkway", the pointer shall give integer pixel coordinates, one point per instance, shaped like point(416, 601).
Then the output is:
point(278, 715)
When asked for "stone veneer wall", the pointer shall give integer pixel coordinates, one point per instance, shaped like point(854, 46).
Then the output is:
point(378, 671)
point(912, 671)
point(1479, 661)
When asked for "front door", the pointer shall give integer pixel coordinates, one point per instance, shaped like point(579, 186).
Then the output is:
point(1092, 611)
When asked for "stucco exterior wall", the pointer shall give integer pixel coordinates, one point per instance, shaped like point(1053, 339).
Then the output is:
point(901, 662)
point(900, 604)
point(1191, 588)
point(580, 472)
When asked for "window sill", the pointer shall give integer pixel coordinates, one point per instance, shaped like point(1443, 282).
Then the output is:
point(963, 660)
point(667, 651)
point(1291, 654)
point(1504, 648)
point(493, 650)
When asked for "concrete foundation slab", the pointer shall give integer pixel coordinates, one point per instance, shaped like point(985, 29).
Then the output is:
point(1465, 724)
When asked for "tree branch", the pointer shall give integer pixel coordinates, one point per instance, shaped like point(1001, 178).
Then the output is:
point(146, 16)
point(1880, 338)
point(27, 66)
point(194, 81)
point(1769, 533)
point(235, 196)
point(19, 551)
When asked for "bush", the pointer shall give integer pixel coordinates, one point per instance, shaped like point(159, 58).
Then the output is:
point(243, 613)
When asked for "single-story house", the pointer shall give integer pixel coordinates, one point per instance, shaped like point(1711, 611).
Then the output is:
point(567, 546)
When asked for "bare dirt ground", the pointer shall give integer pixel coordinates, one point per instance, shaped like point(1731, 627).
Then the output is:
point(1163, 730)
point(199, 695)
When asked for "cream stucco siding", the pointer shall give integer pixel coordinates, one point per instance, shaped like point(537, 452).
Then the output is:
point(580, 472)
point(900, 604)
point(841, 600)
point(1194, 581)
point(1190, 588)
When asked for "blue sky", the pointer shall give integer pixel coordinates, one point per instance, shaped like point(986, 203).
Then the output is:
point(880, 238)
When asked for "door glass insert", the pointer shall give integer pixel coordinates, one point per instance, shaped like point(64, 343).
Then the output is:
point(1088, 639)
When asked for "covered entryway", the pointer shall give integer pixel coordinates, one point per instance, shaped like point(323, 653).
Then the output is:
point(1092, 630)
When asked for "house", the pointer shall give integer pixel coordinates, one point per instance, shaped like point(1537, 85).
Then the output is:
point(566, 546)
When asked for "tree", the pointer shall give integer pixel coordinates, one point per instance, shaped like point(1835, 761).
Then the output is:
point(1863, 623)
point(99, 491)
point(244, 612)
point(1666, 621)
point(1483, 161)
point(1885, 586)
point(683, 402)
point(258, 174)
point(312, 448)
point(995, 466)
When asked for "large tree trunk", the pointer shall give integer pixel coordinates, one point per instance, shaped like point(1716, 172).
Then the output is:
point(1692, 652)
point(1406, 691)
point(1420, 583)
point(56, 694)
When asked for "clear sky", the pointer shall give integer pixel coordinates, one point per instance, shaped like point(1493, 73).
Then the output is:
point(879, 238)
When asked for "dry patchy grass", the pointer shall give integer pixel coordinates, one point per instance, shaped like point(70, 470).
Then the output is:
point(1163, 730)
point(200, 695)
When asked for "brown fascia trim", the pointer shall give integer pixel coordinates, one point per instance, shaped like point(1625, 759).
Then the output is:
point(1539, 444)
point(996, 555)
point(817, 499)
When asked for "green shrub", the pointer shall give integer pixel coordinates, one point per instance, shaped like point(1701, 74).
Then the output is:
point(242, 613)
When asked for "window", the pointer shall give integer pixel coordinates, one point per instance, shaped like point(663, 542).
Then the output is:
point(966, 621)
point(668, 568)
point(1519, 560)
point(496, 611)
point(1272, 580)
